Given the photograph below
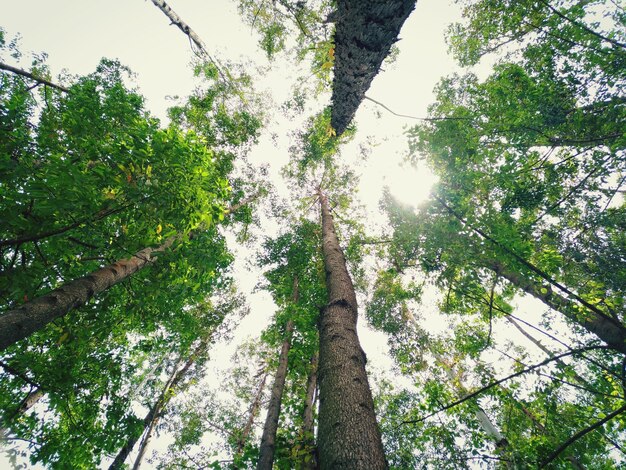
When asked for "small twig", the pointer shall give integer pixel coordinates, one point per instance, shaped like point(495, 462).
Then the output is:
point(416, 118)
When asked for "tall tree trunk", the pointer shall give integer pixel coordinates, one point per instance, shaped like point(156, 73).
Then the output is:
point(574, 307)
point(490, 429)
point(253, 410)
point(125, 451)
point(309, 462)
point(268, 440)
point(348, 435)
point(365, 30)
point(154, 414)
point(609, 330)
point(33, 315)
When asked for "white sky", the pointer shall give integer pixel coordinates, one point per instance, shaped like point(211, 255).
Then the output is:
point(77, 33)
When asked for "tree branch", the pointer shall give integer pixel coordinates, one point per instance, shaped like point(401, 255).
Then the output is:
point(579, 435)
point(499, 381)
point(29, 75)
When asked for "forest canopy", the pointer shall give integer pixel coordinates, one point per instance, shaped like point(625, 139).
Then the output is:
point(208, 287)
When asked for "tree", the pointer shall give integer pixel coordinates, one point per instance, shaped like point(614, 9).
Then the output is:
point(94, 150)
point(364, 34)
point(295, 280)
point(348, 434)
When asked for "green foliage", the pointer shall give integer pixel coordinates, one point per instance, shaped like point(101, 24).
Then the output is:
point(88, 177)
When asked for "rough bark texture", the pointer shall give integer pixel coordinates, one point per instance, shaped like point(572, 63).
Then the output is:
point(365, 30)
point(21, 322)
point(307, 418)
point(268, 440)
point(348, 435)
point(612, 332)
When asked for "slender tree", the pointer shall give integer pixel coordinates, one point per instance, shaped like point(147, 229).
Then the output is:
point(309, 460)
point(268, 439)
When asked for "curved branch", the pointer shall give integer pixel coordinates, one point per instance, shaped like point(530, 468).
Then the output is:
point(579, 434)
point(30, 76)
point(502, 380)
point(583, 26)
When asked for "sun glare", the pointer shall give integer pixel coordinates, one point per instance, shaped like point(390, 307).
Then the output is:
point(411, 185)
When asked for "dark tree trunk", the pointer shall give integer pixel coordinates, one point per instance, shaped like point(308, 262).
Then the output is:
point(365, 30)
point(268, 440)
point(309, 463)
point(24, 320)
point(348, 435)
point(125, 451)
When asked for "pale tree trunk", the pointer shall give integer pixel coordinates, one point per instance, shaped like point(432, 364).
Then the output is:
point(365, 30)
point(309, 462)
point(348, 435)
point(198, 44)
point(154, 414)
point(33, 315)
point(31, 399)
point(252, 412)
point(268, 440)
point(490, 429)
point(538, 343)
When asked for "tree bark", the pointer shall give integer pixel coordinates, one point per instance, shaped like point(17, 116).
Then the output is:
point(612, 332)
point(365, 30)
point(348, 435)
point(307, 418)
point(574, 307)
point(33, 315)
point(268, 440)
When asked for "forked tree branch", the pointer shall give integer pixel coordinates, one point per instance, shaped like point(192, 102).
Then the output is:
point(30, 76)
